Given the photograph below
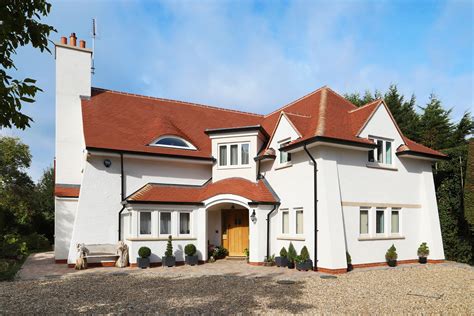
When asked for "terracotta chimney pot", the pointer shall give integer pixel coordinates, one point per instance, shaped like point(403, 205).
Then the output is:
point(64, 40)
point(82, 44)
point(73, 39)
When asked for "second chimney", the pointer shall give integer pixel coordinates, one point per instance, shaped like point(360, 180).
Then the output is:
point(72, 39)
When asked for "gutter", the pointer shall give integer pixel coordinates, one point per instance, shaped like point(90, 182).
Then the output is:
point(268, 230)
point(315, 167)
point(325, 139)
point(122, 194)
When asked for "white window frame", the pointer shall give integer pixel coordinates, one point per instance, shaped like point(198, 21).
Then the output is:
point(366, 209)
point(191, 146)
point(178, 221)
point(228, 155)
point(282, 143)
point(384, 152)
point(289, 226)
point(399, 210)
point(299, 210)
point(139, 223)
point(384, 227)
point(160, 234)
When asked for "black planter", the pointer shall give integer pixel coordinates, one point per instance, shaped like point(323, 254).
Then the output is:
point(422, 260)
point(350, 267)
point(304, 266)
point(143, 262)
point(392, 263)
point(168, 261)
point(290, 264)
point(191, 260)
point(281, 261)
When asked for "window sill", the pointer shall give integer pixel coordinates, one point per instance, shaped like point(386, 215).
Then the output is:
point(230, 167)
point(283, 166)
point(377, 165)
point(296, 238)
point(392, 237)
point(158, 238)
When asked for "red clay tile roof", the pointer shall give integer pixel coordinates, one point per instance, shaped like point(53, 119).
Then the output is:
point(411, 146)
point(168, 193)
point(66, 190)
point(127, 122)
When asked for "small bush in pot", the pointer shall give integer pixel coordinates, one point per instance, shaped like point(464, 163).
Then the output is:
point(391, 256)
point(349, 262)
point(247, 254)
point(143, 261)
point(291, 256)
point(269, 261)
point(282, 260)
point(191, 256)
point(423, 253)
point(169, 260)
point(220, 252)
point(303, 262)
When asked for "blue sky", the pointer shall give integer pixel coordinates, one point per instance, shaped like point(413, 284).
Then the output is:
point(258, 55)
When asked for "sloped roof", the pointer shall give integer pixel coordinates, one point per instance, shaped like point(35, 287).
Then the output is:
point(127, 122)
point(166, 193)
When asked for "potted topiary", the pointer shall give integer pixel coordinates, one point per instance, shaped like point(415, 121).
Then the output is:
point(291, 256)
point(143, 261)
point(349, 262)
point(423, 252)
point(303, 262)
point(169, 260)
point(391, 256)
point(191, 256)
point(282, 260)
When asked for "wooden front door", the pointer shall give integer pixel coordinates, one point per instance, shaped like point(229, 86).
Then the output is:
point(235, 231)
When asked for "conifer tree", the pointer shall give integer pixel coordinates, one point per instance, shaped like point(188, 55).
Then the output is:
point(435, 125)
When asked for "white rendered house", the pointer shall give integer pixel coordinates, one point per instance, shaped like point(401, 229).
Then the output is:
point(318, 172)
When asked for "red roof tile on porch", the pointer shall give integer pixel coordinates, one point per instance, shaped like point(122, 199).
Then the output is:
point(66, 190)
point(169, 193)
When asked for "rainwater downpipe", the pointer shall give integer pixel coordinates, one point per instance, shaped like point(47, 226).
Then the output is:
point(122, 195)
point(315, 167)
point(268, 230)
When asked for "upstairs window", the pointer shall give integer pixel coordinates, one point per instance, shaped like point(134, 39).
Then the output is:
point(382, 153)
point(234, 154)
point(173, 142)
point(284, 156)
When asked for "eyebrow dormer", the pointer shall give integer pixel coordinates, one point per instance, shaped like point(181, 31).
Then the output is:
point(171, 141)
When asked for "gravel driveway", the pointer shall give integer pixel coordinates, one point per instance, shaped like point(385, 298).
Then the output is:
point(229, 287)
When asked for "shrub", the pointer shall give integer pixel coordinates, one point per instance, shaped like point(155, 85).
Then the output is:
point(12, 246)
point(291, 253)
point(423, 250)
point(220, 252)
point(247, 252)
point(304, 254)
point(169, 247)
point(270, 259)
point(391, 253)
point(283, 252)
point(36, 241)
point(348, 258)
point(144, 252)
point(190, 250)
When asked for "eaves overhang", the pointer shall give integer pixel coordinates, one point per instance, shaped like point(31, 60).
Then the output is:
point(258, 128)
point(415, 154)
point(328, 140)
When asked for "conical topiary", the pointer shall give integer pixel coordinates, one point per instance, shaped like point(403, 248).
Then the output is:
point(283, 252)
point(304, 254)
point(291, 253)
point(169, 247)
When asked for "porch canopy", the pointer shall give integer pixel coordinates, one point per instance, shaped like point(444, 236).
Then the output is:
point(155, 193)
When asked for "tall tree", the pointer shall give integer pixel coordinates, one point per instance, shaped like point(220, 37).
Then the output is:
point(435, 125)
point(20, 26)
point(462, 130)
point(44, 205)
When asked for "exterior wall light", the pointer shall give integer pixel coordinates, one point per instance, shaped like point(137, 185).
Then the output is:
point(107, 163)
point(253, 217)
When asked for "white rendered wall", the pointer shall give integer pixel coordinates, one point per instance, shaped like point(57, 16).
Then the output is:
point(249, 171)
point(65, 211)
point(73, 79)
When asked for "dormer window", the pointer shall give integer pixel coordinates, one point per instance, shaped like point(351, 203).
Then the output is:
point(173, 142)
point(382, 154)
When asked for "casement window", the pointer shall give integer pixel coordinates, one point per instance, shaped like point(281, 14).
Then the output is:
point(395, 221)
point(299, 221)
point(165, 223)
point(285, 222)
point(184, 223)
point(380, 221)
point(364, 221)
point(382, 154)
point(234, 154)
point(285, 157)
point(145, 223)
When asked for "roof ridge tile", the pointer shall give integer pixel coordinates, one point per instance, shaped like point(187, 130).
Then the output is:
point(296, 101)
